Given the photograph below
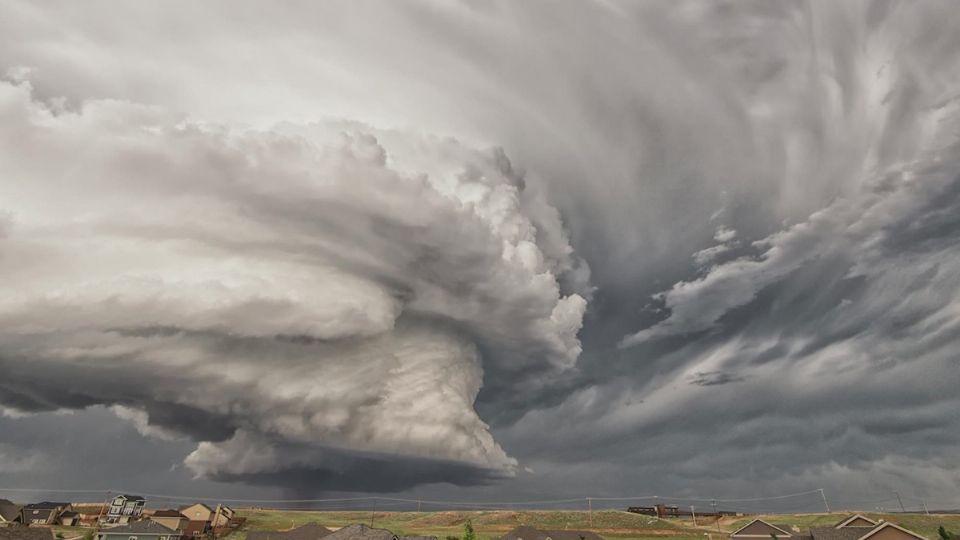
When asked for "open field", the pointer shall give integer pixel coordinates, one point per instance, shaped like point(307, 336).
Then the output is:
point(609, 523)
point(488, 524)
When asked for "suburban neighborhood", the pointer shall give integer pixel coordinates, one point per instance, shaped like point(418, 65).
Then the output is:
point(128, 517)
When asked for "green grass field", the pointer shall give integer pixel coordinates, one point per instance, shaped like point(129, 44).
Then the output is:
point(613, 524)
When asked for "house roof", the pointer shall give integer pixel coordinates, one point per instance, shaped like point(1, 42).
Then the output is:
point(25, 533)
point(833, 533)
point(526, 532)
point(90, 509)
point(168, 513)
point(359, 531)
point(140, 527)
point(69, 514)
point(37, 513)
point(46, 505)
point(310, 531)
point(184, 507)
point(889, 525)
point(130, 497)
point(854, 518)
point(785, 529)
point(9, 511)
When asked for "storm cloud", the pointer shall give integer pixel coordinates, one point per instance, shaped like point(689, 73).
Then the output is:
point(457, 243)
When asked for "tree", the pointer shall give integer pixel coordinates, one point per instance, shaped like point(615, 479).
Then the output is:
point(944, 534)
point(468, 533)
point(88, 535)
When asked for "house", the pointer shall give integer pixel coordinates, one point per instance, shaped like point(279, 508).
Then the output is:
point(197, 512)
point(171, 519)
point(26, 533)
point(358, 531)
point(856, 520)
point(759, 528)
point(139, 530)
point(125, 508)
point(310, 531)
point(195, 529)
point(9, 513)
point(42, 513)
point(858, 527)
point(222, 516)
point(90, 514)
point(69, 518)
point(530, 533)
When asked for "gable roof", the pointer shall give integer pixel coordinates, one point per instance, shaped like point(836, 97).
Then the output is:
point(47, 505)
point(26, 533)
point(130, 497)
point(310, 531)
point(359, 531)
point(169, 513)
point(9, 511)
point(781, 529)
point(140, 527)
point(852, 520)
point(834, 533)
point(888, 525)
point(182, 508)
point(526, 532)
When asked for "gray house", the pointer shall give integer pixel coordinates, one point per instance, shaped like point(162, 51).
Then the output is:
point(139, 530)
point(125, 508)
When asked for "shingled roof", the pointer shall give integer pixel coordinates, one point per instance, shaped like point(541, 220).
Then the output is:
point(360, 531)
point(25, 533)
point(310, 531)
point(9, 511)
point(833, 533)
point(140, 527)
point(526, 532)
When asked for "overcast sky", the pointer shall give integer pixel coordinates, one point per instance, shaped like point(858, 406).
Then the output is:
point(481, 250)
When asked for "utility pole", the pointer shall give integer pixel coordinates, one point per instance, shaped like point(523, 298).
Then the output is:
point(373, 515)
point(419, 502)
point(925, 511)
point(717, 512)
point(693, 510)
point(824, 497)
point(899, 500)
point(590, 510)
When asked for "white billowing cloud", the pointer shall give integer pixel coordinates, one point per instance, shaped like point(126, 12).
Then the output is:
point(363, 271)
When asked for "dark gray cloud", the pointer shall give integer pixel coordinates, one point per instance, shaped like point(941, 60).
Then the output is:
point(756, 201)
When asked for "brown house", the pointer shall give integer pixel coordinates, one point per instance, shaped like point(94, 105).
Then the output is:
point(9, 513)
point(759, 528)
point(171, 519)
point(861, 528)
point(197, 512)
point(855, 527)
